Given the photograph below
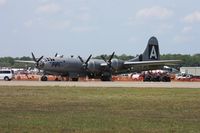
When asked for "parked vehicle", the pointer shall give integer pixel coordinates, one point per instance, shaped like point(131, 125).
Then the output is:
point(6, 74)
point(156, 76)
point(183, 76)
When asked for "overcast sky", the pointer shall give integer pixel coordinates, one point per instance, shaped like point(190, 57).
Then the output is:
point(83, 27)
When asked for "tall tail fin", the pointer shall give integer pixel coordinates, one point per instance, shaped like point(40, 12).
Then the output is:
point(151, 52)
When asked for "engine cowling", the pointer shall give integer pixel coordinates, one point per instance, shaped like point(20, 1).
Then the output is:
point(117, 64)
point(94, 66)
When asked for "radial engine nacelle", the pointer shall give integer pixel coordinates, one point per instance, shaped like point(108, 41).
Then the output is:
point(117, 64)
point(95, 66)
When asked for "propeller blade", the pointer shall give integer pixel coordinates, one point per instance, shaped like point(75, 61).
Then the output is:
point(81, 59)
point(40, 58)
point(85, 64)
point(111, 57)
point(33, 56)
point(88, 59)
point(36, 60)
point(108, 62)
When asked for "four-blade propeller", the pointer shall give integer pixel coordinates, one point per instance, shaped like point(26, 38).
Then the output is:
point(36, 60)
point(85, 64)
point(109, 61)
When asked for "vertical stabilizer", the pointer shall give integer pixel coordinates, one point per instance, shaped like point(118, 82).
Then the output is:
point(151, 52)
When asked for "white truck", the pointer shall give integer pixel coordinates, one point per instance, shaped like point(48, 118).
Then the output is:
point(6, 74)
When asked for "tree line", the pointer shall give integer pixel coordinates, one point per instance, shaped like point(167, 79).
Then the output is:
point(187, 60)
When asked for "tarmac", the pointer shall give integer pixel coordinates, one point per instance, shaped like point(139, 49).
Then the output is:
point(103, 84)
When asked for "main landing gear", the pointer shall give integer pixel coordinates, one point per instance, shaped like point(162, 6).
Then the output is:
point(106, 76)
point(44, 78)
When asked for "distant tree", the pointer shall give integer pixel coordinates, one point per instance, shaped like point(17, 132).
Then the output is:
point(6, 61)
point(187, 60)
point(25, 58)
point(10, 62)
point(121, 57)
point(125, 57)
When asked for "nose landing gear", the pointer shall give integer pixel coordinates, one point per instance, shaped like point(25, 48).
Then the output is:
point(44, 78)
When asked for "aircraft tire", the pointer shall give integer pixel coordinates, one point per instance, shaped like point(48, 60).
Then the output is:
point(44, 78)
point(106, 78)
point(74, 79)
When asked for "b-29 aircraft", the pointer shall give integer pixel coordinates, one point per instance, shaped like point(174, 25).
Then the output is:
point(101, 68)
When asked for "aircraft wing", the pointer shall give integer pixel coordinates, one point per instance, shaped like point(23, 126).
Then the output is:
point(104, 64)
point(24, 61)
point(152, 63)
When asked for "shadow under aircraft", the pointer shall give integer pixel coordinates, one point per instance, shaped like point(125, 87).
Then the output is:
point(103, 69)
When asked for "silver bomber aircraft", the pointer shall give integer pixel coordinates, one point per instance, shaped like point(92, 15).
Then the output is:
point(101, 68)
